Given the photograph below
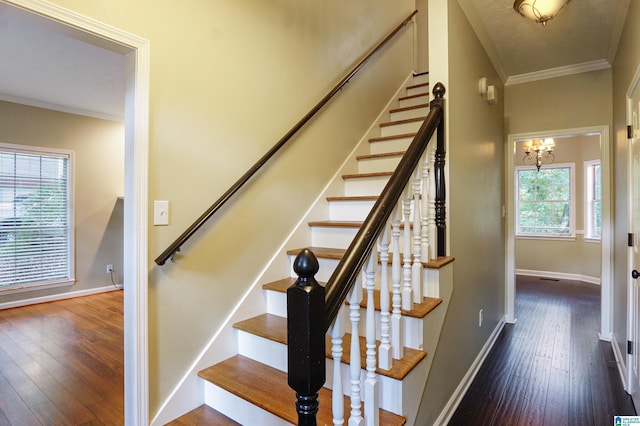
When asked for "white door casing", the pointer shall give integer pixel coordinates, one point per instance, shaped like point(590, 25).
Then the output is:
point(633, 200)
point(606, 280)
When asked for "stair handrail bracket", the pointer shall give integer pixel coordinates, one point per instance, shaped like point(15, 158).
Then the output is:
point(322, 305)
point(175, 246)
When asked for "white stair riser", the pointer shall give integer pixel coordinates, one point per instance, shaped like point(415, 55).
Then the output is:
point(365, 185)
point(326, 236)
point(378, 164)
point(390, 145)
point(276, 303)
point(422, 78)
point(400, 128)
point(349, 210)
point(263, 350)
point(412, 328)
point(420, 90)
point(410, 113)
point(413, 101)
point(238, 409)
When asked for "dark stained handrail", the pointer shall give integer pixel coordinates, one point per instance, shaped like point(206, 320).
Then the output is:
point(175, 246)
point(345, 274)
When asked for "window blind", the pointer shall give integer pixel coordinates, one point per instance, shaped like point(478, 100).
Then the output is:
point(35, 219)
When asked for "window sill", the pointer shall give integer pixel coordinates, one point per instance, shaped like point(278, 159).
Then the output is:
point(592, 240)
point(546, 237)
point(20, 288)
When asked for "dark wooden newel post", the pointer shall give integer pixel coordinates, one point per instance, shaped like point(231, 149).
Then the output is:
point(441, 189)
point(306, 337)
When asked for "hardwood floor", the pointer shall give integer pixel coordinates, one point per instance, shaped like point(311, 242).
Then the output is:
point(61, 363)
point(549, 368)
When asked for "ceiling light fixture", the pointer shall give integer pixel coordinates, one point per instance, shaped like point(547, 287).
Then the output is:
point(540, 11)
point(538, 152)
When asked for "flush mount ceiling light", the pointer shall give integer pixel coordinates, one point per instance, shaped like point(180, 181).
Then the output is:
point(540, 11)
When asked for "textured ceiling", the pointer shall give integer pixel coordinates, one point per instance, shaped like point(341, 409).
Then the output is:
point(50, 65)
point(585, 31)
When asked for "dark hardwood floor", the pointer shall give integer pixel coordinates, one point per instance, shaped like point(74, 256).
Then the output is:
point(549, 368)
point(61, 363)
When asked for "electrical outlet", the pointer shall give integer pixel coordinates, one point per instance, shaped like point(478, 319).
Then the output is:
point(109, 269)
point(480, 318)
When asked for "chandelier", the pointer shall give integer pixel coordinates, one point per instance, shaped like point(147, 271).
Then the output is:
point(538, 152)
point(540, 11)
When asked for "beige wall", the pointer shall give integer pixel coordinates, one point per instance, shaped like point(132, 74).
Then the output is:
point(577, 257)
point(574, 101)
point(228, 79)
point(99, 181)
point(625, 65)
point(476, 196)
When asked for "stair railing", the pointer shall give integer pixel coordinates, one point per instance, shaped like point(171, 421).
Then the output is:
point(313, 311)
point(175, 246)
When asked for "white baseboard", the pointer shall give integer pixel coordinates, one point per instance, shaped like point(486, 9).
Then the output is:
point(61, 296)
point(453, 403)
point(559, 276)
point(621, 362)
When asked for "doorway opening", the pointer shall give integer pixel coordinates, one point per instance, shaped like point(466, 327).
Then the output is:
point(514, 150)
point(136, 53)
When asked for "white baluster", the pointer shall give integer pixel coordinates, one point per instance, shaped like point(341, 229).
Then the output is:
point(433, 247)
point(424, 226)
point(336, 331)
point(354, 315)
point(407, 292)
point(416, 268)
point(384, 351)
point(371, 386)
point(397, 324)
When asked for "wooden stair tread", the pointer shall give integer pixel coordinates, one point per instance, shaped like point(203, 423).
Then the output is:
point(267, 388)
point(409, 108)
point(366, 175)
point(274, 328)
point(354, 198)
point(399, 367)
point(405, 121)
point(383, 155)
point(269, 326)
point(337, 253)
point(415, 86)
point(337, 223)
point(203, 415)
point(392, 137)
point(420, 310)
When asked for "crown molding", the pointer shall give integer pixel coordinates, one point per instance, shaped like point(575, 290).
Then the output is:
point(599, 64)
point(61, 108)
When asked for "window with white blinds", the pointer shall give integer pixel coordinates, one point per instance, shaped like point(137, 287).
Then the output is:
point(35, 217)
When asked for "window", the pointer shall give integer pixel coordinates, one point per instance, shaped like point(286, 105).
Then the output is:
point(35, 217)
point(545, 203)
point(593, 199)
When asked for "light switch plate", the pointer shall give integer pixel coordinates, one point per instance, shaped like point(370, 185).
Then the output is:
point(160, 212)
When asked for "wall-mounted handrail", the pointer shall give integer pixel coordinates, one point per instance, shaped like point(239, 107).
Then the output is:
point(175, 246)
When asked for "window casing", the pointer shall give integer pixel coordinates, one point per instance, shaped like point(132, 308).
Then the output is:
point(36, 217)
point(593, 199)
point(545, 201)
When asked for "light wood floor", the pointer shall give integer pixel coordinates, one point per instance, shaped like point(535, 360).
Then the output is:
point(549, 368)
point(61, 363)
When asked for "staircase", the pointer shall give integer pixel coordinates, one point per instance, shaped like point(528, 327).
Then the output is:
point(251, 387)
